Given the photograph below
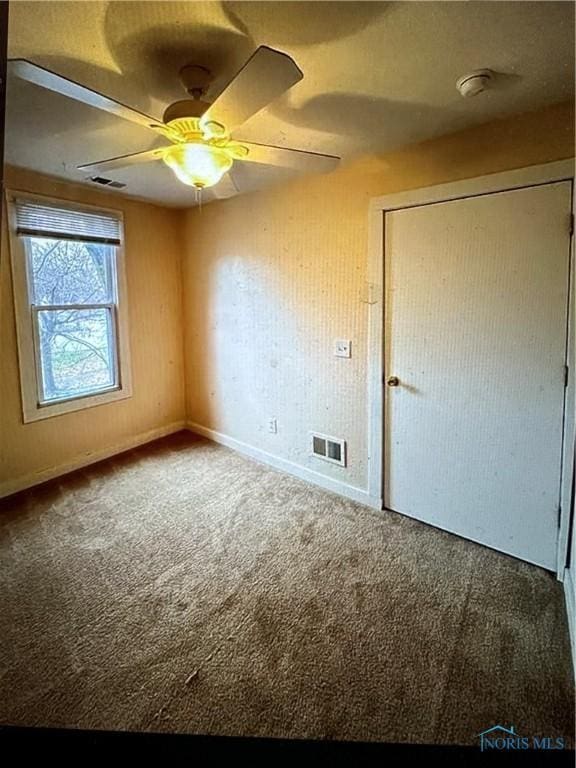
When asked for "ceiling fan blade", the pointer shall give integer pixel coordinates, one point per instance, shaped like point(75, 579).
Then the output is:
point(290, 158)
point(44, 78)
point(226, 187)
point(266, 75)
point(123, 161)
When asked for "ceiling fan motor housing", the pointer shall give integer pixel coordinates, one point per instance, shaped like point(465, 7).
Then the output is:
point(186, 108)
point(195, 79)
point(184, 117)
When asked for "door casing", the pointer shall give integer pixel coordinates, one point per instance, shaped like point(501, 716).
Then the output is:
point(563, 170)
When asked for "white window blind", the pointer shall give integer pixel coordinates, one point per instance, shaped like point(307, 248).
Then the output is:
point(39, 219)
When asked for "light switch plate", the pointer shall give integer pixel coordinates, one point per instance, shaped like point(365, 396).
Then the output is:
point(342, 348)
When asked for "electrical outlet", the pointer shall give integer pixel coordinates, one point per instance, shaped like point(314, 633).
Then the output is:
point(342, 348)
point(272, 426)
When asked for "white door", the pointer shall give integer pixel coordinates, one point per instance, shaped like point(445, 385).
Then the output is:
point(475, 332)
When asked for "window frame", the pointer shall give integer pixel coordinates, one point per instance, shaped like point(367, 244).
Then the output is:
point(26, 329)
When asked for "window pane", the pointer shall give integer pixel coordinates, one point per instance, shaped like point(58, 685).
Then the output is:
point(76, 351)
point(68, 272)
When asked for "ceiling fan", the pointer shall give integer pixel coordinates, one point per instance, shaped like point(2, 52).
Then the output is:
point(202, 150)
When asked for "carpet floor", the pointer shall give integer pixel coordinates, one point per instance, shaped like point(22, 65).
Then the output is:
point(182, 587)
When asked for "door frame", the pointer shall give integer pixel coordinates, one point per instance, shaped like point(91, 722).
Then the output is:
point(562, 170)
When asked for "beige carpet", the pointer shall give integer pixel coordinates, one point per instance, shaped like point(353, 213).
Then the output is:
point(182, 587)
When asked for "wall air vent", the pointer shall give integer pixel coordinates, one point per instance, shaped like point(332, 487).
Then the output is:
point(107, 182)
point(331, 449)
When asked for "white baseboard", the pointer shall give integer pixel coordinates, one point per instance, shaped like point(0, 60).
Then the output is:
point(309, 475)
point(290, 467)
point(91, 457)
point(570, 596)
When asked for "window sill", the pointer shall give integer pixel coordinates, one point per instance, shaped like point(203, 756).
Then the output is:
point(48, 411)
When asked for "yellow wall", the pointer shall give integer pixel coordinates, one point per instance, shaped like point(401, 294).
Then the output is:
point(31, 452)
point(272, 278)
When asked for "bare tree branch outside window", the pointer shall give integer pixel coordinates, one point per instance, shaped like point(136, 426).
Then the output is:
point(76, 344)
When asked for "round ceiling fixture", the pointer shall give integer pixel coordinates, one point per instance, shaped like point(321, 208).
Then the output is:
point(474, 82)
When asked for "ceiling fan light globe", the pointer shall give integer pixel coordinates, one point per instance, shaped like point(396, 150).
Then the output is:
point(198, 165)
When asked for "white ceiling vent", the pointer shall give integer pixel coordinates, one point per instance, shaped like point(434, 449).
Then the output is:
point(331, 449)
point(107, 182)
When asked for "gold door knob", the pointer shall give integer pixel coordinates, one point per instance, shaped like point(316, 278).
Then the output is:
point(393, 381)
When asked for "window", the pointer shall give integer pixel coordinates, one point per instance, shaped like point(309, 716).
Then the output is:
point(70, 305)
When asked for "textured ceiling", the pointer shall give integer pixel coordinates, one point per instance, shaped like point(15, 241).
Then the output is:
point(377, 75)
